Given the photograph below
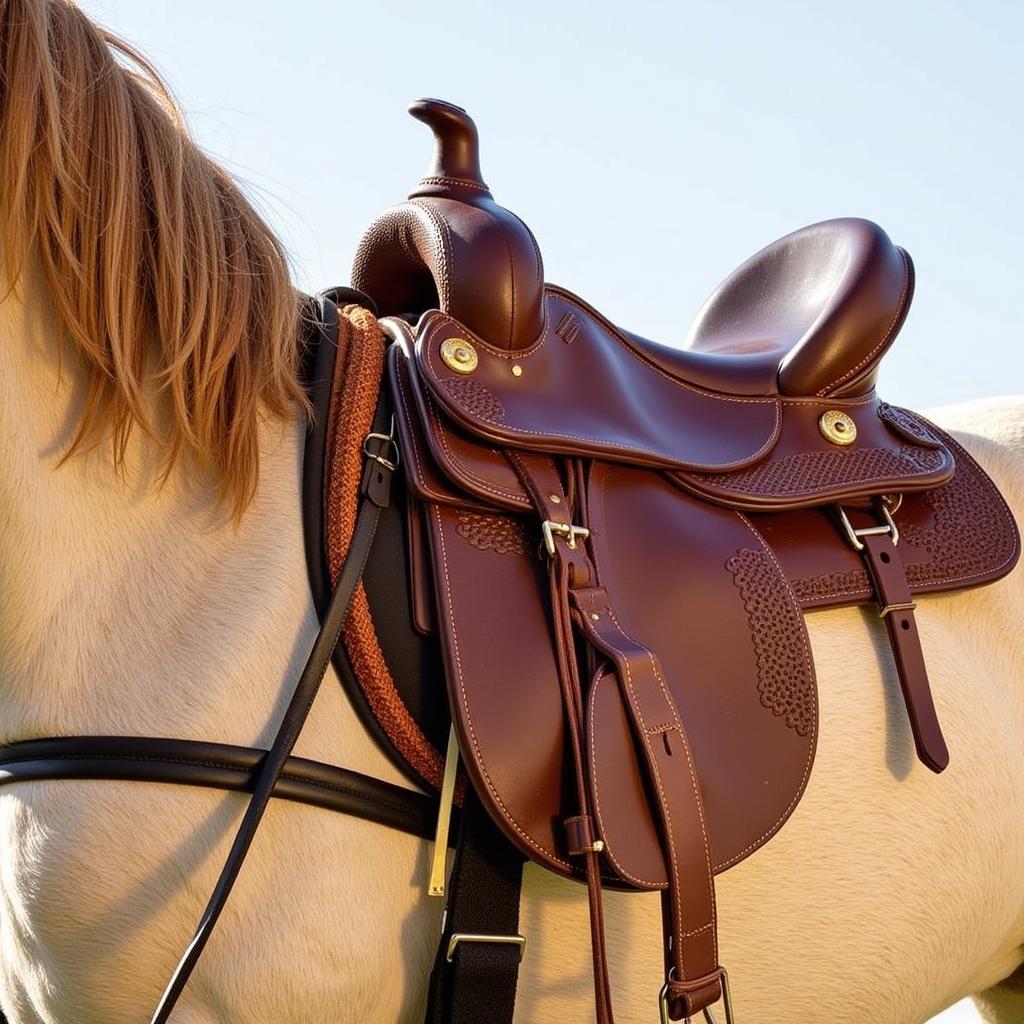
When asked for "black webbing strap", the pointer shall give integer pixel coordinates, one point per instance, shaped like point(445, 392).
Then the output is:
point(474, 981)
point(374, 495)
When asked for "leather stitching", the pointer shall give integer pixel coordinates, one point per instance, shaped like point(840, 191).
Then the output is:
point(442, 234)
point(428, 349)
point(528, 839)
point(886, 338)
point(463, 470)
point(677, 896)
point(608, 850)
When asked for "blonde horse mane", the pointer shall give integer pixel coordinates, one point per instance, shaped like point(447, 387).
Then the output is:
point(160, 269)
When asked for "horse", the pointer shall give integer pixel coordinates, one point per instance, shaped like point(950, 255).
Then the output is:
point(154, 583)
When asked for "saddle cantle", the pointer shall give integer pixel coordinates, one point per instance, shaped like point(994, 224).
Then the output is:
point(614, 541)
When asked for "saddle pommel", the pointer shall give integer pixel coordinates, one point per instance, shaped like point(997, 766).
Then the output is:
point(455, 171)
point(452, 247)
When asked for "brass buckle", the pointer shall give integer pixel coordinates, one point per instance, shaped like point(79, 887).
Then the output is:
point(709, 1017)
point(888, 527)
point(549, 529)
point(390, 440)
point(499, 940)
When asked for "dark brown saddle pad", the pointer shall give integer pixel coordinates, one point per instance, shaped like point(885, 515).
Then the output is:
point(615, 541)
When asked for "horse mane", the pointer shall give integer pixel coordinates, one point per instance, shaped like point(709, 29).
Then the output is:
point(161, 270)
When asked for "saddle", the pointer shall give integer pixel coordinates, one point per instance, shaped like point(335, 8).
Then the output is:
point(614, 542)
point(610, 546)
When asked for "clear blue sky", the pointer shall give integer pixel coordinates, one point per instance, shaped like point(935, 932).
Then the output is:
point(650, 146)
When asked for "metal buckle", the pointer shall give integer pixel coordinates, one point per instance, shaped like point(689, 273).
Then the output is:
point(497, 940)
point(888, 527)
point(709, 1017)
point(390, 440)
point(549, 529)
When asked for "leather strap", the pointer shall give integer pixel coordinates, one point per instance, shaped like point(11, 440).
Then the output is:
point(692, 971)
point(219, 766)
point(476, 981)
point(375, 492)
point(896, 606)
point(569, 567)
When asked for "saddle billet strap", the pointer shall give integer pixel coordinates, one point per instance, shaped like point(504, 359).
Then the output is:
point(569, 567)
point(476, 969)
point(375, 495)
point(896, 607)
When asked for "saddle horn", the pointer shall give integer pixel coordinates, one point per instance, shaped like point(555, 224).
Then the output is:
point(452, 247)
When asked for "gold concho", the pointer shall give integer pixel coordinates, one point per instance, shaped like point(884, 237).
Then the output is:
point(458, 355)
point(837, 427)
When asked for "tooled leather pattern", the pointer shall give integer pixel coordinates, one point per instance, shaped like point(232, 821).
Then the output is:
point(907, 424)
point(777, 633)
point(808, 472)
point(832, 584)
point(500, 534)
point(970, 534)
point(475, 398)
point(971, 530)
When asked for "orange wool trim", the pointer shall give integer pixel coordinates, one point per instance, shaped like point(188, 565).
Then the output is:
point(357, 380)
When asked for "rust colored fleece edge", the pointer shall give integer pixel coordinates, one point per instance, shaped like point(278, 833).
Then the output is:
point(357, 379)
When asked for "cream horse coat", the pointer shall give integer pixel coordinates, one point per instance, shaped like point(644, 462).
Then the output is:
point(125, 608)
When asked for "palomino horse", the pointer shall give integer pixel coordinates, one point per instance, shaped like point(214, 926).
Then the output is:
point(157, 586)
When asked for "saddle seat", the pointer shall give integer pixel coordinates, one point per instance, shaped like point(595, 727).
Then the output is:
point(810, 314)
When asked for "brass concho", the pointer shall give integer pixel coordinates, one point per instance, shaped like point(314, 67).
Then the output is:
point(837, 427)
point(459, 355)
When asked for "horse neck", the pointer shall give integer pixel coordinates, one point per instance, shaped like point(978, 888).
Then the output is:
point(132, 608)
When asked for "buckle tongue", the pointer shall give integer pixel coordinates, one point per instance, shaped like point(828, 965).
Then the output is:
point(549, 529)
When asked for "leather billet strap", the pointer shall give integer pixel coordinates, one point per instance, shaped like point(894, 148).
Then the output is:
point(897, 609)
point(693, 972)
point(374, 495)
point(569, 566)
point(878, 544)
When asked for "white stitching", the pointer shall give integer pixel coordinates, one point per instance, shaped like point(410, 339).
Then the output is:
point(428, 349)
point(887, 337)
point(596, 790)
point(528, 839)
point(657, 778)
point(460, 466)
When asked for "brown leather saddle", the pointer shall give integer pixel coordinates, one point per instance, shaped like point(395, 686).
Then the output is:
point(615, 541)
